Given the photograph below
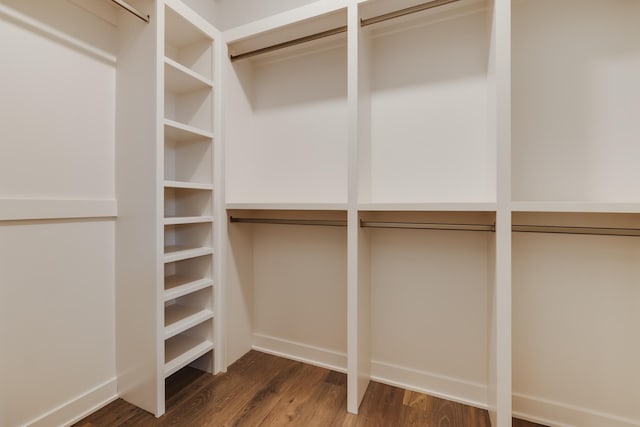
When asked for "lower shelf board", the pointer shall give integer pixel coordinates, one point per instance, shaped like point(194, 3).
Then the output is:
point(179, 252)
point(176, 286)
point(178, 318)
point(181, 350)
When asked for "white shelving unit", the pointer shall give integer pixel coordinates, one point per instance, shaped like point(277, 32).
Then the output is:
point(384, 124)
point(168, 189)
point(493, 112)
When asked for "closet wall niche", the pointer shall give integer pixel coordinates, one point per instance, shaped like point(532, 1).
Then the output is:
point(287, 117)
point(291, 279)
point(429, 101)
point(576, 97)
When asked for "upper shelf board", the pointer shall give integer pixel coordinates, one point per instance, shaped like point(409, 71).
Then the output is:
point(294, 24)
point(180, 79)
point(184, 27)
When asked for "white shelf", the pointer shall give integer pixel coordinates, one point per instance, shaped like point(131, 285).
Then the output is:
point(180, 79)
point(576, 207)
point(178, 318)
point(433, 207)
point(184, 27)
point(177, 220)
point(177, 131)
point(178, 253)
point(176, 286)
point(188, 185)
point(289, 206)
point(182, 350)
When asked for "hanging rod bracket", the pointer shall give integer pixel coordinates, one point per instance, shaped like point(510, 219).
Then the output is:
point(126, 6)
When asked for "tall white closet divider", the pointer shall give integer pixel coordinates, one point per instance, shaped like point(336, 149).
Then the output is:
point(169, 278)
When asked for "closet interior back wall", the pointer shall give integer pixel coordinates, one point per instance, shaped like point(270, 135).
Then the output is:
point(429, 304)
point(287, 129)
point(576, 100)
point(292, 280)
point(430, 139)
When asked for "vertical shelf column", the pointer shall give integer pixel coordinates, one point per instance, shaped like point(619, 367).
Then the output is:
point(359, 286)
point(500, 361)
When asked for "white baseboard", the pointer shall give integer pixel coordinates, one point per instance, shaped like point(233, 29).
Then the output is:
point(79, 407)
point(301, 352)
point(559, 414)
point(454, 389)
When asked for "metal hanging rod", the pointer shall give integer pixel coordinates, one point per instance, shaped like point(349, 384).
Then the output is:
point(404, 12)
point(592, 231)
point(324, 222)
point(428, 226)
point(289, 43)
point(126, 6)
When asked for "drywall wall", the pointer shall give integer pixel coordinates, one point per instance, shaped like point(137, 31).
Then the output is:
point(56, 274)
point(231, 13)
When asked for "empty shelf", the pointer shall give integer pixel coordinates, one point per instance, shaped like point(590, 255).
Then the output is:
point(178, 252)
point(180, 79)
point(181, 350)
point(180, 132)
point(188, 185)
point(176, 220)
point(178, 318)
point(177, 286)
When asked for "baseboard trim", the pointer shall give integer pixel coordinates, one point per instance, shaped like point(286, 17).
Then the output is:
point(444, 387)
point(300, 352)
point(559, 414)
point(79, 407)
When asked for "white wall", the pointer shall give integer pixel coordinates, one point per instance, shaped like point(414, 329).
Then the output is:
point(57, 275)
point(231, 13)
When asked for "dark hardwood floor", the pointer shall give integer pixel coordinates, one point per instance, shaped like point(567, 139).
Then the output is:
point(264, 390)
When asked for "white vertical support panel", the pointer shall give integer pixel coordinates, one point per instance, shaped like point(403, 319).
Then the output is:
point(220, 213)
point(502, 110)
point(358, 295)
point(138, 242)
point(159, 48)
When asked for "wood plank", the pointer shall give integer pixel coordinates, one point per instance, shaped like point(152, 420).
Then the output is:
point(265, 390)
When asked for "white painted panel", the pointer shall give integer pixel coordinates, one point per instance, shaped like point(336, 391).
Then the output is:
point(429, 136)
point(576, 307)
point(58, 110)
point(288, 140)
point(232, 13)
point(429, 302)
point(300, 290)
point(576, 100)
point(57, 314)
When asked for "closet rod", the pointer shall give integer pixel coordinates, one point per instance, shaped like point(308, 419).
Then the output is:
point(403, 12)
point(591, 231)
point(428, 226)
point(324, 222)
point(517, 228)
point(289, 43)
point(126, 6)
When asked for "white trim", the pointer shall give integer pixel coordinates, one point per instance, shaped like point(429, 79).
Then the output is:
point(309, 354)
point(79, 407)
point(433, 384)
point(560, 414)
point(40, 208)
